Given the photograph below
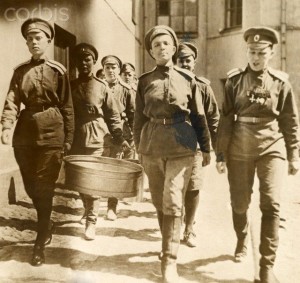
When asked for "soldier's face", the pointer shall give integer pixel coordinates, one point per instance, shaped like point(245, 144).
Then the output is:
point(128, 76)
point(162, 49)
point(85, 63)
point(37, 43)
point(186, 63)
point(111, 72)
point(258, 59)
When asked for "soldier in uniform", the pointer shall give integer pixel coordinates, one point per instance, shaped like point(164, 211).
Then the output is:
point(124, 97)
point(128, 75)
point(257, 133)
point(186, 59)
point(96, 119)
point(44, 128)
point(169, 120)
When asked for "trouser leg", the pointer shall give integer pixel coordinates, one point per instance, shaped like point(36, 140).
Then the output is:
point(92, 205)
point(160, 218)
point(27, 159)
point(271, 176)
point(168, 179)
point(241, 179)
point(47, 166)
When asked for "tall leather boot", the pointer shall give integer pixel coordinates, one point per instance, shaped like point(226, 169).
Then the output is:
point(240, 224)
point(191, 205)
point(268, 246)
point(170, 246)
point(44, 209)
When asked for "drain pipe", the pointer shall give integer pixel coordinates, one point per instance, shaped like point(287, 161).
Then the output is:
point(283, 35)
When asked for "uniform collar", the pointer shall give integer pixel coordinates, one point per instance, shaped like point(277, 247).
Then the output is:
point(164, 69)
point(257, 73)
point(114, 83)
point(39, 61)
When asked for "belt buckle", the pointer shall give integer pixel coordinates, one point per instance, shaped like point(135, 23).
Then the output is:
point(254, 120)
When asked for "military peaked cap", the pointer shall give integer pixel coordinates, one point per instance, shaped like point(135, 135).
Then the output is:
point(86, 48)
point(186, 49)
point(159, 30)
point(261, 36)
point(37, 25)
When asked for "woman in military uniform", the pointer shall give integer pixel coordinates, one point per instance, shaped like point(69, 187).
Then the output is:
point(44, 128)
point(97, 120)
point(169, 120)
point(186, 59)
point(128, 75)
point(258, 131)
point(123, 95)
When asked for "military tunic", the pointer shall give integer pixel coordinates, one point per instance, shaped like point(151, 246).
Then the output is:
point(47, 120)
point(124, 97)
point(266, 95)
point(171, 93)
point(96, 114)
point(46, 123)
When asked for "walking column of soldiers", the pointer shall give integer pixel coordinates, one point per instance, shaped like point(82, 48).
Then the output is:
point(169, 120)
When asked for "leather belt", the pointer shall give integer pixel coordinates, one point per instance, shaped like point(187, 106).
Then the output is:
point(39, 108)
point(255, 120)
point(169, 121)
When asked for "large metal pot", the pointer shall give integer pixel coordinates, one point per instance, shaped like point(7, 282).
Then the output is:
point(103, 176)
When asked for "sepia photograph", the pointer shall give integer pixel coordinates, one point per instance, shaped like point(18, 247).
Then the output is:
point(150, 141)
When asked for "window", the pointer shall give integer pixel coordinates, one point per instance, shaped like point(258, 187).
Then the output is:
point(234, 12)
point(180, 15)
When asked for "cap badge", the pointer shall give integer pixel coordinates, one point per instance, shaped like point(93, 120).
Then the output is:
point(256, 38)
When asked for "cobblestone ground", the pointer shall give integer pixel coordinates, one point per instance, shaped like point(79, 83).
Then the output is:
point(126, 250)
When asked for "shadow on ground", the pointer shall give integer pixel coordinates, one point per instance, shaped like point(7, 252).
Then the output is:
point(139, 265)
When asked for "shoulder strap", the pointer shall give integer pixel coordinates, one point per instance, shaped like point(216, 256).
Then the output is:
point(278, 74)
point(203, 80)
point(22, 64)
point(56, 65)
point(188, 73)
point(234, 72)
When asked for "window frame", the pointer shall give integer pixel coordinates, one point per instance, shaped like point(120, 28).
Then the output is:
point(183, 33)
point(237, 11)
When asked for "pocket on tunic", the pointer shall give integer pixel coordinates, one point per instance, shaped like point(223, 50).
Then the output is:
point(49, 127)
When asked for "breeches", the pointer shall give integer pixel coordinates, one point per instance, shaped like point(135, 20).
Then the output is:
point(39, 168)
point(196, 181)
point(270, 172)
point(168, 180)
